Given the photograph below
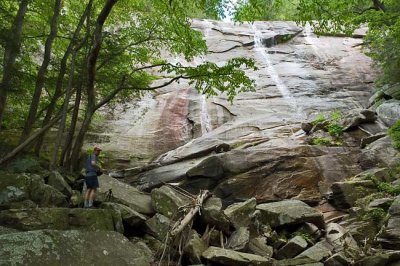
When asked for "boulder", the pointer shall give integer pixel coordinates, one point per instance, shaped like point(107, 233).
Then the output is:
point(364, 116)
point(296, 262)
point(380, 152)
point(289, 212)
point(234, 258)
point(346, 193)
point(383, 203)
point(212, 214)
point(114, 190)
point(49, 247)
point(210, 167)
point(258, 245)
point(240, 213)
point(337, 259)
point(158, 226)
point(310, 230)
point(390, 236)
point(368, 140)
point(168, 201)
point(389, 112)
point(61, 219)
point(292, 248)
point(57, 181)
point(129, 216)
point(239, 239)
point(194, 248)
point(318, 252)
point(340, 238)
point(391, 90)
point(20, 187)
point(7, 230)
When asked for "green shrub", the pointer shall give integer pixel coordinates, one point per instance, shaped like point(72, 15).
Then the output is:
point(394, 133)
point(336, 116)
point(319, 119)
point(377, 215)
point(321, 141)
point(393, 190)
point(335, 130)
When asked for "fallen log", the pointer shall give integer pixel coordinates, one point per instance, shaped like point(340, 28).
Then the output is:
point(180, 225)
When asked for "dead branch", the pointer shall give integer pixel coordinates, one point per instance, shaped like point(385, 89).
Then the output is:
point(180, 225)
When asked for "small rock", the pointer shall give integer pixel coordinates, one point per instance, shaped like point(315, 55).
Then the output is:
point(383, 203)
point(318, 252)
point(240, 213)
point(337, 259)
point(194, 248)
point(258, 246)
point(293, 247)
point(345, 194)
point(158, 226)
point(212, 214)
point(289, 212)
point(235, 258)
point(239, 239)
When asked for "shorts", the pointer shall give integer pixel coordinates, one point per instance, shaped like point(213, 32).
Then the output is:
point(92, 181)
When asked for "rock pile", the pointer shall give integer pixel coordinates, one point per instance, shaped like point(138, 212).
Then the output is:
point(130, 227)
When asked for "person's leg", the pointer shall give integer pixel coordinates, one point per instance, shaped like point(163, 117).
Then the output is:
point(92, 195)
point(87, 197)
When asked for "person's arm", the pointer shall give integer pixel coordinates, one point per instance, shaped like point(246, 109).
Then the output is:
point(94, 162)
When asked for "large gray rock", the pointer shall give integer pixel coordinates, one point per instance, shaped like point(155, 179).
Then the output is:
point(128, 215)
point(239, 239)
point(158, 226)
point(235, 258)
point(124, 194)
point(57, 181)
point(194, 248)
point(62, 219)
point(346, 193)
point(20, 187)
point(212, 214)
point(48, 247)
point(168, 201)
point(389, 112)
point(380, 152)
point(318, 252)
point(292, 248)
point(240, 213)
point(289, 212)
point(340, 238)
point(210, 167)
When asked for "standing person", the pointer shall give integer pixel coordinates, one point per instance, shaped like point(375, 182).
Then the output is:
point(93, 169)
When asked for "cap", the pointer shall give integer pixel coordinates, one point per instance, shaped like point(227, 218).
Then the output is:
point(97, 149)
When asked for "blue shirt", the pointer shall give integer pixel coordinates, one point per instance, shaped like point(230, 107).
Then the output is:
point(90, 169)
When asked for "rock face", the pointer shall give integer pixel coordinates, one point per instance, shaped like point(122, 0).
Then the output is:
point(48, 247)
point(205, 142)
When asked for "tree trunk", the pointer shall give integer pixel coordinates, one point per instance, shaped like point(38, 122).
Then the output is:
point(66, 150)
point(90, 88)
point(40, 79)
point(11, 51)
point(64, 113)
point(61, 74)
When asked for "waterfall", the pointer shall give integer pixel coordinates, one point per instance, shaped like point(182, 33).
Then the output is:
point(205, 120)
point(283, 89)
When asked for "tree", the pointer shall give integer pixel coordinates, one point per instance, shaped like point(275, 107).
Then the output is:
point(118, 54)
point(11, 50)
